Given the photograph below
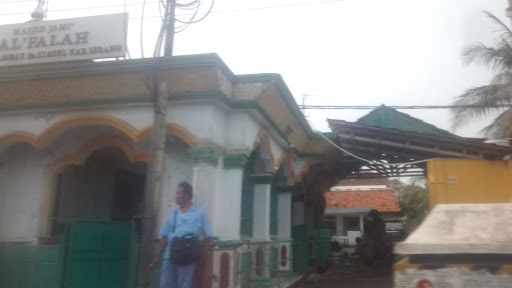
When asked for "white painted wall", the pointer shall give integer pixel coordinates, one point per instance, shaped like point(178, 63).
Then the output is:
point(242, 130)
point(234, 130)
point(22, 187)
point(36, 122)
point(203, 119)
point(177, 168)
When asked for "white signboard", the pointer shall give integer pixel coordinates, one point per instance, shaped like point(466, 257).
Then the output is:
point(64, 40)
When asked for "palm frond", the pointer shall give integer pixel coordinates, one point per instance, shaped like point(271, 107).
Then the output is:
point(501, 27)
point(498, 57)
point(482, 101)
point(501, 126)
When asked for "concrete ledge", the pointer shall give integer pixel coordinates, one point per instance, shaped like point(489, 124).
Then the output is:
point(462, 229)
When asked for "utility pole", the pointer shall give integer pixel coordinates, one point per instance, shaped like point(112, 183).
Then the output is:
point(169, 37)
point(157, 154)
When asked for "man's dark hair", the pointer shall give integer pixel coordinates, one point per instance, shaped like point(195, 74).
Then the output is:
point(187, 188)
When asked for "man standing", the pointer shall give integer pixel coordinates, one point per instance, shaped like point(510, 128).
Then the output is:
point(188, 219)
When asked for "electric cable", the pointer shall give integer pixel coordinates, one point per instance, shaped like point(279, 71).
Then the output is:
point(212, 12)
point(142, 29)
point(366, 107)
point(192, 21)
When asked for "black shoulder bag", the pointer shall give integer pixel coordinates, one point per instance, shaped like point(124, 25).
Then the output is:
point(185, 250)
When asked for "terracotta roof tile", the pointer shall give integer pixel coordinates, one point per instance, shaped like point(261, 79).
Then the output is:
point(380, 200)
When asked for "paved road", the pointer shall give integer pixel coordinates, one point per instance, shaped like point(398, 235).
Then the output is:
point(352, 276)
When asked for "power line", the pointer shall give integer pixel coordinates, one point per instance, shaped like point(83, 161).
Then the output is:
point(22, 1)
point(87, 8)
point(185, 14)
point(372, 162)
point(370, 107)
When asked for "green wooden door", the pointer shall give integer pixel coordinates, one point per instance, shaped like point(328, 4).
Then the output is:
point(300, 248)
point(98, 254)
point(247, 212)
point(322, 248)
point(274, 198)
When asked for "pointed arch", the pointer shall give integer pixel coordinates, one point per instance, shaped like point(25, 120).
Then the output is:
point(86, 120)
point(79, 158)
point(60, 127)
point(262, 141)
point(17, 137)
point(52, 132)
point(94, 145)
point(287, 162)
point(172, 129)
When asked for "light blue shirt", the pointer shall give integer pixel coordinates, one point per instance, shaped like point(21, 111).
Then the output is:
point(193, 221)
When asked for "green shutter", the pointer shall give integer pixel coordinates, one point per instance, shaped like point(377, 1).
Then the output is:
point(246, 267)
point(247, 200)
point(274, 198)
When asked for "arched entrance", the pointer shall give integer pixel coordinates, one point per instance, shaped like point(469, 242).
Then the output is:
point(106, 187)
point(97, 214)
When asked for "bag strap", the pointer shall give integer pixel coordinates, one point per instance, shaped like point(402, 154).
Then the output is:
point(174, 220)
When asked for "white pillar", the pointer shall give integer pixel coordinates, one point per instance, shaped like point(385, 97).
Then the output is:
point(285, 228)
point(217, 183)
point(205, 161)
point(261, 207)
point(298, 213)
point(261, 217)
point(203, 183)
point(339, 225)
point(284, 210)
point(229, 203)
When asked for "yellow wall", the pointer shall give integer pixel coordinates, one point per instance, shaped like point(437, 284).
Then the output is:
point(469, 181)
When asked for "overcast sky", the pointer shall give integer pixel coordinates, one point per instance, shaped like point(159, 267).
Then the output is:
point(348, 52)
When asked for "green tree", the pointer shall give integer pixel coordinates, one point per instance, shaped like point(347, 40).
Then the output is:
point(413, 200)
point(496, 97)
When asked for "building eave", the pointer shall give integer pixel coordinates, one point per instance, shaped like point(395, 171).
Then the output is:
point(349, 210)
